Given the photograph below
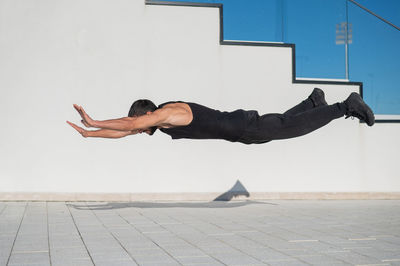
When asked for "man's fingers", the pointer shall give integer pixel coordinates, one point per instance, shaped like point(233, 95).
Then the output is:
point(79, 109)
point(86, 119)
point(79, 129)
point(72, 124)
point(84, 123)
point(83, 112)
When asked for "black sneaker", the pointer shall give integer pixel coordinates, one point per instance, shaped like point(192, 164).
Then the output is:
point(356, 107)
point(318, 97)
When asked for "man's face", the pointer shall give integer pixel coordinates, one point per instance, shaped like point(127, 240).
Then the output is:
point(148, 131)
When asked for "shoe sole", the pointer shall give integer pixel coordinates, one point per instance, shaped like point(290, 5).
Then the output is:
point(369, 113)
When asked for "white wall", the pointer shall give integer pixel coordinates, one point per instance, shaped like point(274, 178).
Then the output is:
point(106, 54)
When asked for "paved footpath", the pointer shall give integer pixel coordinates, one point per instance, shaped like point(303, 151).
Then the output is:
point(198, 233)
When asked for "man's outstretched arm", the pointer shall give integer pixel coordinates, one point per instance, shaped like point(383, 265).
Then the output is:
point(125, 123)
point(101, 133)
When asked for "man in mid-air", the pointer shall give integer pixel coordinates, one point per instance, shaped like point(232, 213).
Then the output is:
point(194, 121)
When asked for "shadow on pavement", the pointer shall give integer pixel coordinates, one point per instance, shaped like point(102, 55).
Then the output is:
point(236, 191)
point(222, 201)
point(139, 204)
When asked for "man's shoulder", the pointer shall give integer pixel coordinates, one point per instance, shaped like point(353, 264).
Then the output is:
point(173, 104)
point(176, 113)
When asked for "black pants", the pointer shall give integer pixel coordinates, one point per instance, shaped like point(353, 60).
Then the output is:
point(299, 120)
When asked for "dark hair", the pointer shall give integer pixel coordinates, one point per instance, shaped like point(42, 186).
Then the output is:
point(141, 107)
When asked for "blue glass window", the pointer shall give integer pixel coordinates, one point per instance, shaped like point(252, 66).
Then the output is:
point(320, 29)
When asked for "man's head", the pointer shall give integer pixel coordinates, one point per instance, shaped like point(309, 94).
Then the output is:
point(143, 107)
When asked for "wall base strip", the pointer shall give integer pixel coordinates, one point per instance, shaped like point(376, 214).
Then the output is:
point(49, 196)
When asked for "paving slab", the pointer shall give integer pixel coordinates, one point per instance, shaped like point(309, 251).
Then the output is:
point(278, 232)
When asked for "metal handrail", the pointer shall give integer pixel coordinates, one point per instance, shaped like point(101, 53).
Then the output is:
point(372, 13)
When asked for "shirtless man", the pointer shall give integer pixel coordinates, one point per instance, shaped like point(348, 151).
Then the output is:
point(193, 121)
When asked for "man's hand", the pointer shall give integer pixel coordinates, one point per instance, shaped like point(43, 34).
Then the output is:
point(86, 120)
point(81, 131)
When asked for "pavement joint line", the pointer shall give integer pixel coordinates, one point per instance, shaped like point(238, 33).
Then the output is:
point(279, 260)
point(2, 210)
point(192, 226)
point(48, 231)
point(227, 243)
point(261, 232)
point(16, 234)
point(142, 249)
point(290, 249)
point(112, 234)
point(308, 255)
point(303, 240)
point(117, 259)
point(132, 226)
point(222, 234)
point(78, 258)
point(379, 264)
point(64, 247)
point(206, 263)
point(155, 232)
point(361, 239)
point(197, 256)
point(389, 260)
point(30, 251)
point(255, 241)
point(336, 251)
point(358, 248)
point(79, 232)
